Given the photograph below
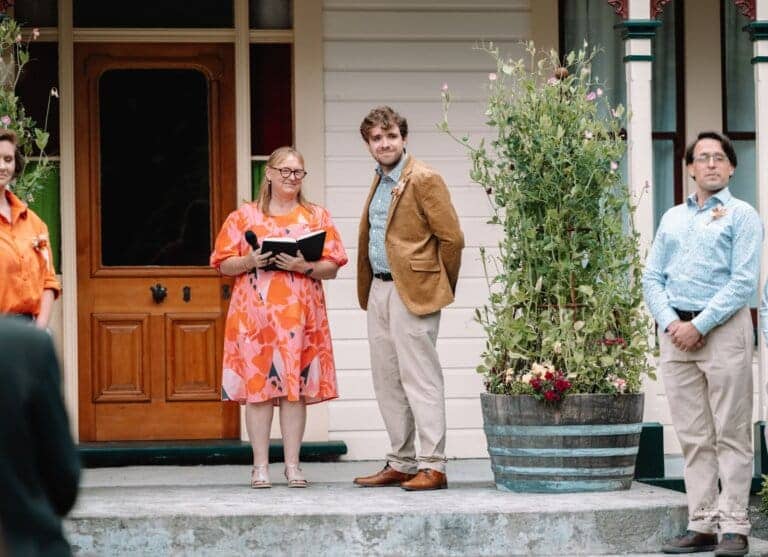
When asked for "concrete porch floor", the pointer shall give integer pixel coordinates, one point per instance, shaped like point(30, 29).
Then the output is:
point(209, 510)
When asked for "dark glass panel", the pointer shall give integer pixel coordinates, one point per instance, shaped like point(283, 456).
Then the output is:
point(36, 13)
point(594, 21)
point(664, 82)
point(739, 86)
point(664, 167)
point(270, 14)
point(155, 179)
point(40, 74)
point(166, 13)
point(271, 90)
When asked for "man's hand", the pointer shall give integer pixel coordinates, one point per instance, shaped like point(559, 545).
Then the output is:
point(685, 336)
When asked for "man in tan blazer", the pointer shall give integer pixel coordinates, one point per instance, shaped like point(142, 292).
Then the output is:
point(409, 253)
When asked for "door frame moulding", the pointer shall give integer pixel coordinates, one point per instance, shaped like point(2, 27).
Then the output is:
point(309, 135)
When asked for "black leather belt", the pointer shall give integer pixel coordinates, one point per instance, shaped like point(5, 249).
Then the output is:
point(386, 277)
point(686, 315)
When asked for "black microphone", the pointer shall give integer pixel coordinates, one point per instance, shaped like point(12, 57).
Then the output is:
point(250, 237)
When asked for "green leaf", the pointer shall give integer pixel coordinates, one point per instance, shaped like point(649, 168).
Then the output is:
point(41, 138)
point(586, 290)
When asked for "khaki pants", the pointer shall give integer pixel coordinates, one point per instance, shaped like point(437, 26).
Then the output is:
point(710, 400)
point(407, 379)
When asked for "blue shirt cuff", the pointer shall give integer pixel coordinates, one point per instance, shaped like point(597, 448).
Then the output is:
point(666, 318)
point(702, 324)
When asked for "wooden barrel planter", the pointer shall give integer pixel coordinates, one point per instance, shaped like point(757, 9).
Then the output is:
point(587, 443)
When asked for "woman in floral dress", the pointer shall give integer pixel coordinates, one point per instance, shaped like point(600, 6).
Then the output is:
point(277, 346)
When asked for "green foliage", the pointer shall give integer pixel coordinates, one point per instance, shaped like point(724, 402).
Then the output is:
point(565, 288)
point(14, 55)
point(763, 493)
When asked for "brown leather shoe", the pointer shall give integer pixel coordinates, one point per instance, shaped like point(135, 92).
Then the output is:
point(690, 542)
point(385, 477)
point(732, 544)
point(426, 479)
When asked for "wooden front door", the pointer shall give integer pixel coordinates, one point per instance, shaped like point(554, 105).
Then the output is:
point(155, 178)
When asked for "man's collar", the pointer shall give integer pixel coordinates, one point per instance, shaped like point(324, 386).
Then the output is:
point(723, 196)
point(394, 174)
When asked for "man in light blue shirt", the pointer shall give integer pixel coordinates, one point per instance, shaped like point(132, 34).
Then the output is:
point(700, 274)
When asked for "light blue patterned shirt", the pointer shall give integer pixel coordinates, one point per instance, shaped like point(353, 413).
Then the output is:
point(377, 216)
point(700, 261)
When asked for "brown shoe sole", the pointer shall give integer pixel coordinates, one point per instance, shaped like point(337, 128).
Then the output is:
point(443, 486)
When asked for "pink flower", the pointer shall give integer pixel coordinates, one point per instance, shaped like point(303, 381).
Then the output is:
point(492, 76)
point(614, 166)
point(553, 81)
point(5, 120)
point(444, 88)
point(35, 33)
point(599, 92)
point(591, 96)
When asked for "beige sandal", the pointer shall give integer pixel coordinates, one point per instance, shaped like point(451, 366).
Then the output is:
point(260, 476)
point(295, 476)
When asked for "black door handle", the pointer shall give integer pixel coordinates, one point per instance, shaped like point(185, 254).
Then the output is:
point(159, 292)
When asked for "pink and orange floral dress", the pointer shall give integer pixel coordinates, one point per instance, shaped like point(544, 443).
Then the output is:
point(277, 342)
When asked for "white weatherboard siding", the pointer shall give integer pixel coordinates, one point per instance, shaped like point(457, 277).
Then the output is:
point(400, 53)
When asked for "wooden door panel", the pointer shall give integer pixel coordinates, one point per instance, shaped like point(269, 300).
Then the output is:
point(192, 356)
point(120, 357)
point(151, 368)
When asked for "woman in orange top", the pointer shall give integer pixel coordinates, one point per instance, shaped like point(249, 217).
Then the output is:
point(28, 284)
point(277, 347)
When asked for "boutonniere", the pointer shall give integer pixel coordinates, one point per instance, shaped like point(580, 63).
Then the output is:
point(40, 242)
point(397, 191)
point(40, 245)
point(718, 212)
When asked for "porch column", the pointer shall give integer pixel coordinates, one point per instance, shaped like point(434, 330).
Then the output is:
point(758, 30)
point(639, 29)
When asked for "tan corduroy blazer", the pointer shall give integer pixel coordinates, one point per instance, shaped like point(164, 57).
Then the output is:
point(423, 240)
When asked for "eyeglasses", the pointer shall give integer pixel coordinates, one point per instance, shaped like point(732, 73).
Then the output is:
point(706, 157)
point(285, 172)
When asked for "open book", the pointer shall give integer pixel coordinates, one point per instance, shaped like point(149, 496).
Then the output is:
point(311, 246)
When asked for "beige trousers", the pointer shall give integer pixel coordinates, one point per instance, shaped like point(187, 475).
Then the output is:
point(407, 379)
point(710, 400)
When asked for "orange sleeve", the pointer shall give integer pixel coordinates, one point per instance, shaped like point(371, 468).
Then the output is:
point(229, 240)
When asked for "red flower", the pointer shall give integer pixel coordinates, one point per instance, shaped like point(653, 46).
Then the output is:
point(536, 383)
point(551, 396)
point(562, 385)
point(549, 376)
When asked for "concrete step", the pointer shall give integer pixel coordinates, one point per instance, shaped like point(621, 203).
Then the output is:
point(209, 510)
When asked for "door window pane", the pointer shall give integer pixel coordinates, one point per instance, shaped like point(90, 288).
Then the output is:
point(36, 13)
point(166, 13)
point(271, 93)
point(270, 14)
point(155, 170)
